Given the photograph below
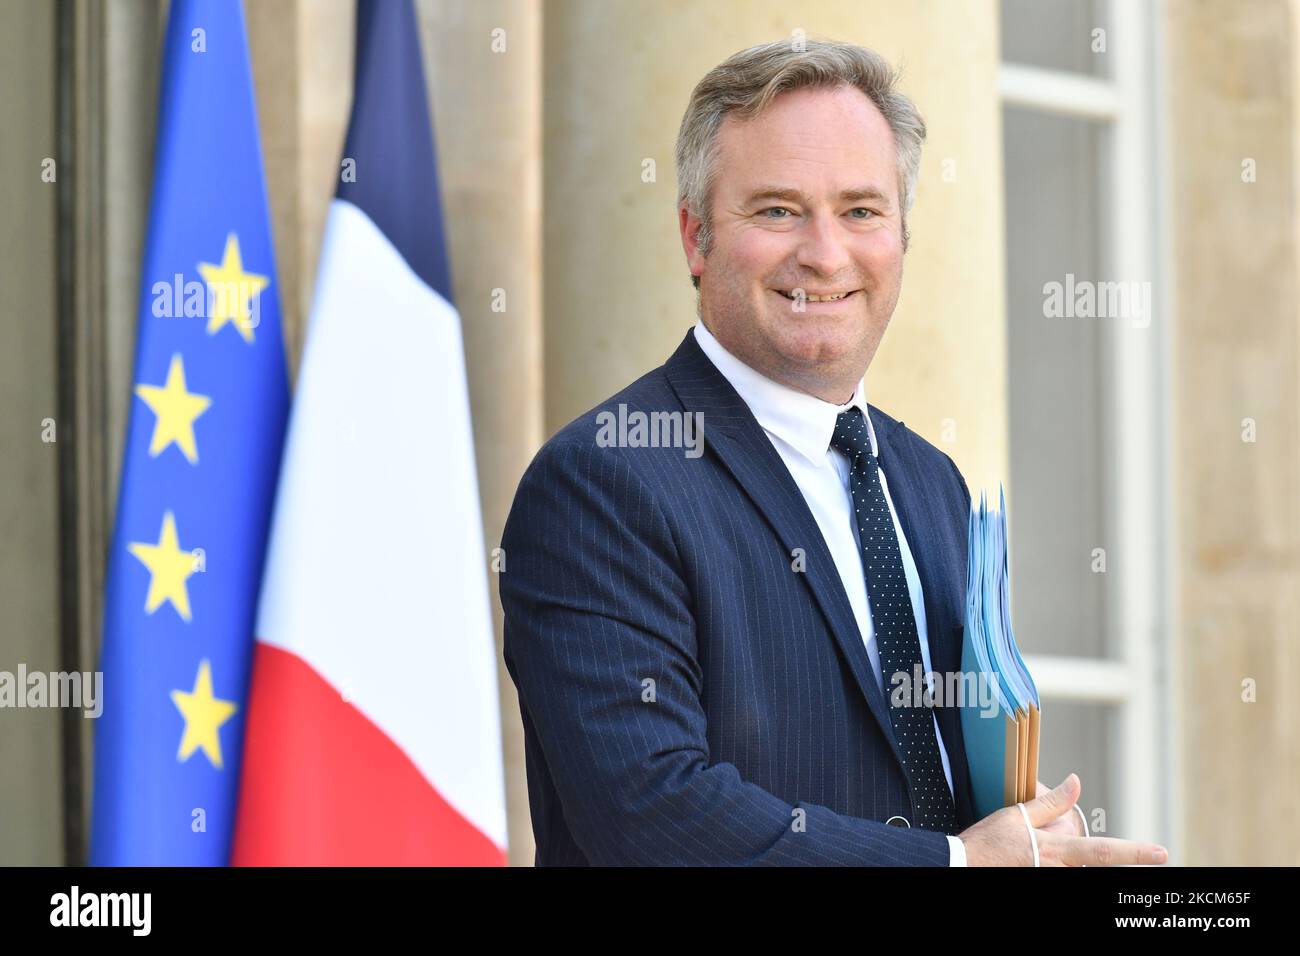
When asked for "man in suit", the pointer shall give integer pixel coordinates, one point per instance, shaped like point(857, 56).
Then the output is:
point(716, 577)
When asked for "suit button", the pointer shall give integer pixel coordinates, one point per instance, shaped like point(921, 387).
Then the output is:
point(897, 821)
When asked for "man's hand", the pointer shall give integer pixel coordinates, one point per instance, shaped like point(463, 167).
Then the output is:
point(1067, 823)
point(1000, 839)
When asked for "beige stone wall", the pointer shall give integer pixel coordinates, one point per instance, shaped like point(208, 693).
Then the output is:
point(1235, 96)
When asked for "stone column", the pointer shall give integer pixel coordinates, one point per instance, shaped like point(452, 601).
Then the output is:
point(1234, 124)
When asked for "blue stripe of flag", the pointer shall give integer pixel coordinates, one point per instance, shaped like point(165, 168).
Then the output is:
point(390, 141)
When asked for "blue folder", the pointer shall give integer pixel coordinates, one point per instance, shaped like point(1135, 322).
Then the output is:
point(999, 705)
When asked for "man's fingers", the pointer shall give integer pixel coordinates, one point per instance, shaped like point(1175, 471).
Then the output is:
point(1065, 825)
point(1053, 803)
point(1105, 851)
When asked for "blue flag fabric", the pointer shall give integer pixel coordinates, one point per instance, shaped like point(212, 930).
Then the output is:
point(207, 421)
point(389, 130)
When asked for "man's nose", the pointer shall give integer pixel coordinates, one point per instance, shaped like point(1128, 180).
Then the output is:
point(821, 247)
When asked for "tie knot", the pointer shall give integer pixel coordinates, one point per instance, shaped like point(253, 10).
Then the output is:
point(851, 435)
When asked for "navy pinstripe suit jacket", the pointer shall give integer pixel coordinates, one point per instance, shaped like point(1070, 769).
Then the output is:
point(764, 737)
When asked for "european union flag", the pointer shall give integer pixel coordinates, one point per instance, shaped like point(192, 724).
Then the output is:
point(198, 478)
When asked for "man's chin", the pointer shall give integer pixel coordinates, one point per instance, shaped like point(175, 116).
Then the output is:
point(816, 354)
point(818, 338)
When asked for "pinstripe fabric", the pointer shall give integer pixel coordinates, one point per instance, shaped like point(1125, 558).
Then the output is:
point(688, 698)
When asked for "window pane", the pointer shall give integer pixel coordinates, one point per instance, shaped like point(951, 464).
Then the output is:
point(1083, 738)
point(1055, 376)
point(1057, 34)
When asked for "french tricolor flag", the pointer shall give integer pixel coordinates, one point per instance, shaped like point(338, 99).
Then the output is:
point(373, 733)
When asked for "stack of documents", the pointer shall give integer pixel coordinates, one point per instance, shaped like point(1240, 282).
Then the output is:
point(1000, 707)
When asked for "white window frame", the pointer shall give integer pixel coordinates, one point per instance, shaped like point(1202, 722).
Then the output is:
point(1141, 682)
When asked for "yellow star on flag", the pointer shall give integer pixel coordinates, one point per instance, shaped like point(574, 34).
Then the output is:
point(176, 409)
point(204, 714)
point(169, 568)
point(230, 289)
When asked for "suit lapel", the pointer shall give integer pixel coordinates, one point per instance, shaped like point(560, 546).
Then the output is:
point(734, 435)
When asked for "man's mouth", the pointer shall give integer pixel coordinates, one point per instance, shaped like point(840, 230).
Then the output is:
point(824, 297)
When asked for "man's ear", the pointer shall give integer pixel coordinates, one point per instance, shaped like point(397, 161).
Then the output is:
point(689, 226)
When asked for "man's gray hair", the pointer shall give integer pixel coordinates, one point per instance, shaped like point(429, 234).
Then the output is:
point(746, 82)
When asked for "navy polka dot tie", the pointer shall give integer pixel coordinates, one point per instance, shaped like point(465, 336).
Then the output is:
point(894, 623)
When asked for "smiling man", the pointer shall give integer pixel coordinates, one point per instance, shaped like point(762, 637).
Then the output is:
point(704, 645)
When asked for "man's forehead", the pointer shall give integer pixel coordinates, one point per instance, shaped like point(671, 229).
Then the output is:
point(866, 192)
point(805, 129)
point(751, 172)
point(833, 107)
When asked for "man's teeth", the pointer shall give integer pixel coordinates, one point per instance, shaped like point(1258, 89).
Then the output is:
point(819, 298)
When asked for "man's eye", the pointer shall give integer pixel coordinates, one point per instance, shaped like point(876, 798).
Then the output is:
point(863, 209)
point(776, 209)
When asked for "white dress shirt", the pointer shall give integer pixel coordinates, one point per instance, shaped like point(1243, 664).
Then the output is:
point(800, 427)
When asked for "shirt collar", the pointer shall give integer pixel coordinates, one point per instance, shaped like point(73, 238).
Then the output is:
point(803, 421)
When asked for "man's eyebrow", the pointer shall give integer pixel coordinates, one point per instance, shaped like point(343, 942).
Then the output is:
point(787, 194)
